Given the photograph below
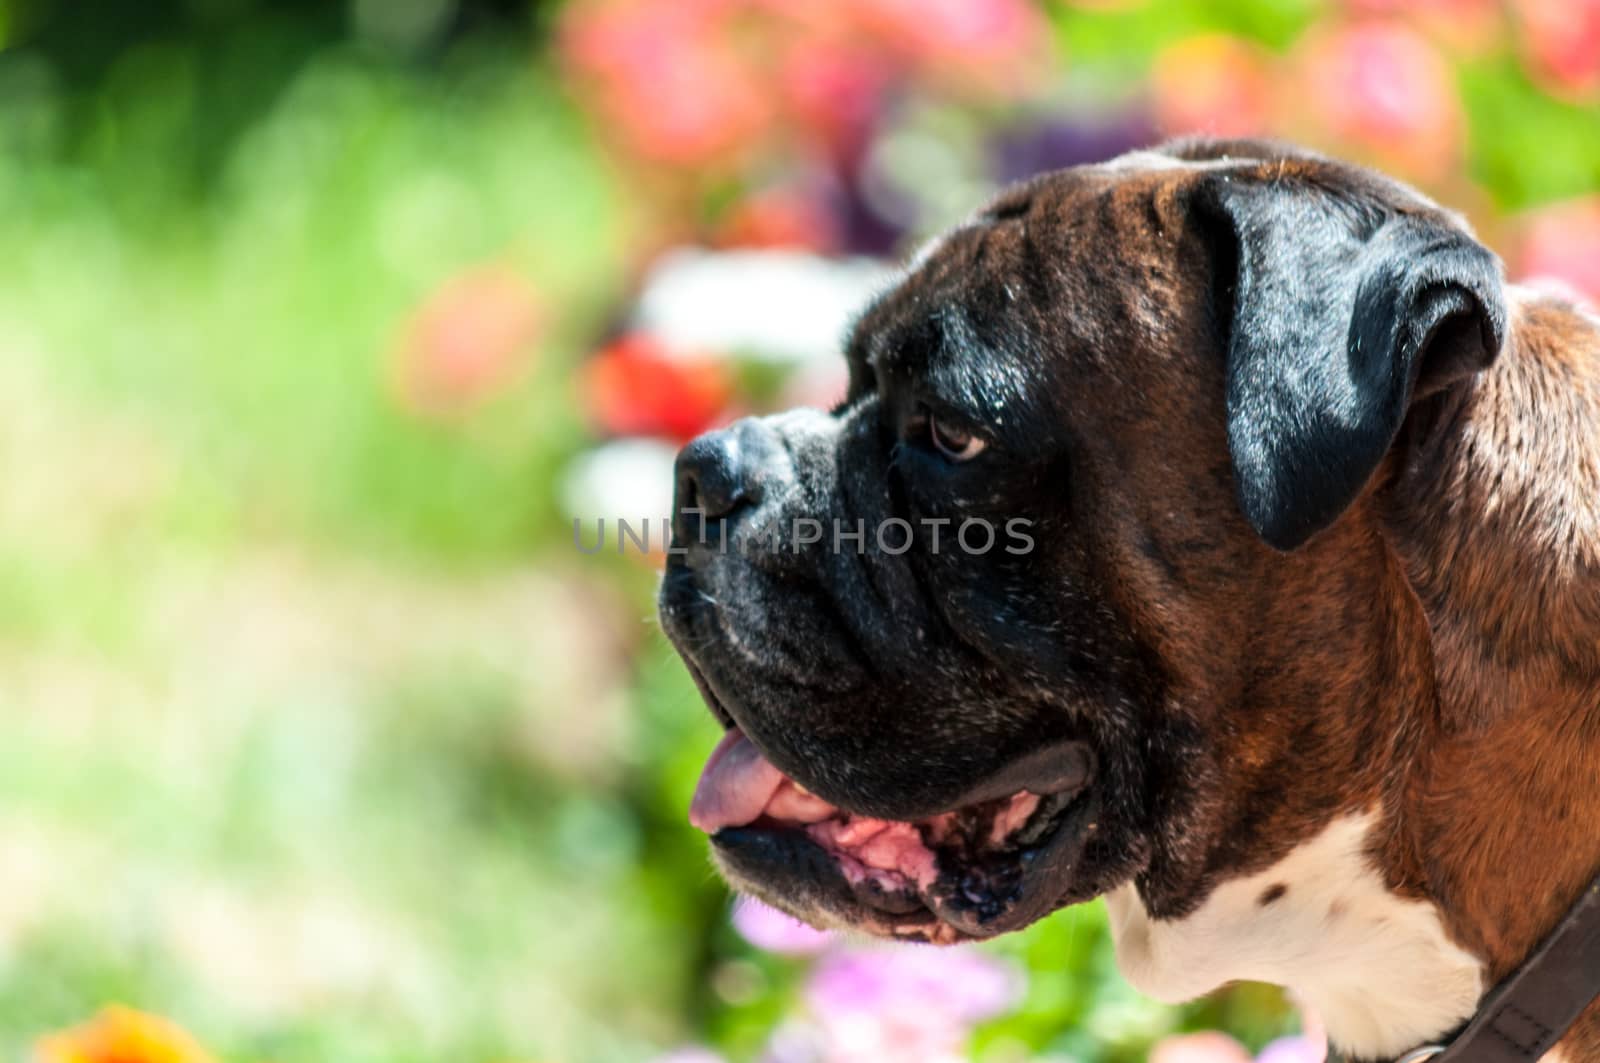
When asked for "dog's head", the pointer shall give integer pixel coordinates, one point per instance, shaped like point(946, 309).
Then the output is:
point(1025, 617)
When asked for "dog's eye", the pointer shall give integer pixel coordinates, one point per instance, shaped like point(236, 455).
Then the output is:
point(953, 443)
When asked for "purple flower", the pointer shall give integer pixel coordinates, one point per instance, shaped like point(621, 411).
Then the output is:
point(1046, 141)
point(767, 928)
point(1296, 1048)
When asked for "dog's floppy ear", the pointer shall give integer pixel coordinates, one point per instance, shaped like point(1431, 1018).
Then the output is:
point(1339, 308)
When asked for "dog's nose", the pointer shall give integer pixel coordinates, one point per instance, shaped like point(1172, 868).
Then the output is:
point(717, 475)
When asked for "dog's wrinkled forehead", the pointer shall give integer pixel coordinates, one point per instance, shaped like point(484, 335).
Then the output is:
point(1046, 268)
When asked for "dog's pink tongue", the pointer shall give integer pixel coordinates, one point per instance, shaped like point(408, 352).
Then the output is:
point(735, 786)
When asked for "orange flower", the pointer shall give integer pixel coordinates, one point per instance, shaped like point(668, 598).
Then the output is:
point(470, 339)
point(121, 1035)
point(1468, 26)
point(1212, 84)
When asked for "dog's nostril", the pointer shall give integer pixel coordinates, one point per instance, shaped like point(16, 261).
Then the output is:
point(713, 495)
point(713, 482)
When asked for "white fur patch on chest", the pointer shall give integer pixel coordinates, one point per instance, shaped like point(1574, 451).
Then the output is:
point(1378, 968)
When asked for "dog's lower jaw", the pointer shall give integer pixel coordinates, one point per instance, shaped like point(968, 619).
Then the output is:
point(1378, 968)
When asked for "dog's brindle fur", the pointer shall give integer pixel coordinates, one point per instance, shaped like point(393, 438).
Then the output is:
point(1422, 637)
point(1496, 527)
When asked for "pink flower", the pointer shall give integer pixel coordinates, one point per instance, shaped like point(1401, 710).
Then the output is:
point(1212, 84)
point(1380, 89)
point(832, 88)
point(667, 78)
point(990, 41)
point(954, 986)
point(1561, 243)
point(709, 84)
point(767, 928)
point(1561, 40)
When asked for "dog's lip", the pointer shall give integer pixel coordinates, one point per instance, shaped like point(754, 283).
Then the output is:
point(972, 871)
point(793, 872)
point(709, 695)
point(1053, 768)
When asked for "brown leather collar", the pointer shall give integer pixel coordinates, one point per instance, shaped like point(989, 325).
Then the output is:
point(1528, 1013)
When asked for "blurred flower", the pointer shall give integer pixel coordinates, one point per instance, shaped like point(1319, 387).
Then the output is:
point(1308, 1046)
point(691, 1054)
point(1381, 89)
point(834, 90)
point(1297, 1048)
point(1207, 1047)
point(666, 77)
point(997, 43)
point(121, 1035)
point(906, 1003)
point(1561, 243)
point(636, 386)
point(786, 306)
point(629, 479)
point(1561, 39)
point(469, 340)
point(701, 83)
point(767, 928)
point(1470, 26)
point(787, 217)
point(1052, 141)
point(1212, 83)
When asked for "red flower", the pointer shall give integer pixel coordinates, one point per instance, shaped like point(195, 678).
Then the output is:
point(638, 387)
point(1561, 39)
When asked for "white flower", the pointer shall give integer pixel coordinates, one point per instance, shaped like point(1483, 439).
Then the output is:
point(784, 306)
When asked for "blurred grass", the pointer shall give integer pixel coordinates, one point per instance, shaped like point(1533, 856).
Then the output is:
point(289, 670)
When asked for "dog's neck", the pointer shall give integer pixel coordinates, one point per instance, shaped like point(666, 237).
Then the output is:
point(1494, 514)
point(1475, 750)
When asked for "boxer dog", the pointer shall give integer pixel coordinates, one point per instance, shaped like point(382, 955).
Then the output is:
point(1302, 670)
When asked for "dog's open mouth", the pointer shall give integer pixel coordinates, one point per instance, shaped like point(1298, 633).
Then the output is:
point(975, 871)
